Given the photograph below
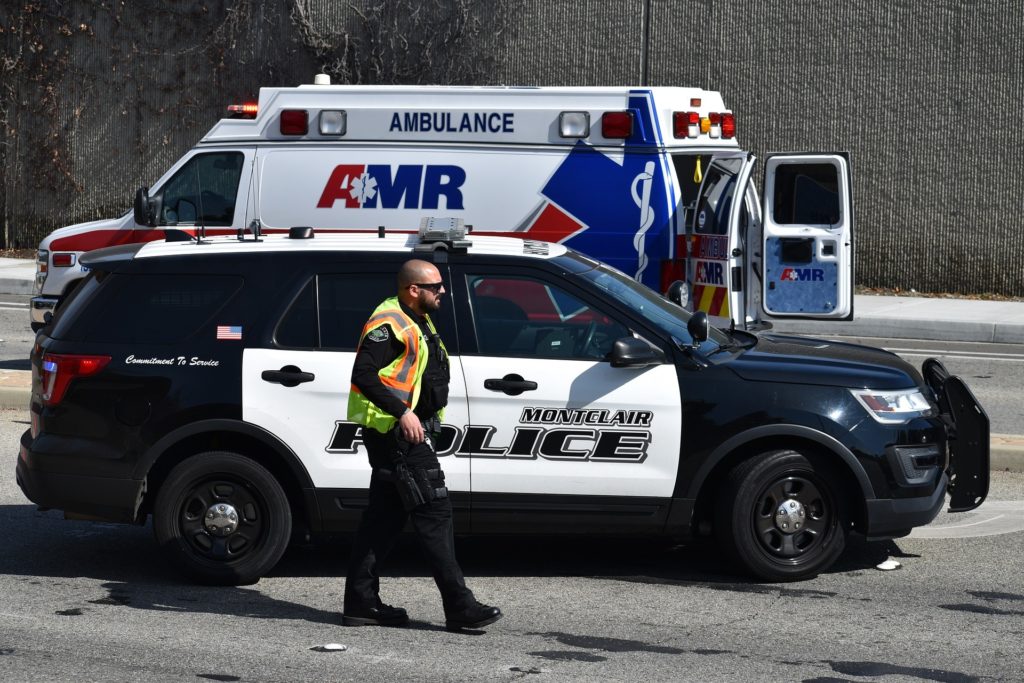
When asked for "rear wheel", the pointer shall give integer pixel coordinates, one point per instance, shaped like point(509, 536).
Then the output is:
point(222, 518)
point(780, 517)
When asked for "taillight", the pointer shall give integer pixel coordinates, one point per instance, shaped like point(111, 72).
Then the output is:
point(617, 124)
point(59, 369)
point(294, 122)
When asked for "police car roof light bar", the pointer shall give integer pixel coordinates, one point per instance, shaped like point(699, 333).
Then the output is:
point(442, 233)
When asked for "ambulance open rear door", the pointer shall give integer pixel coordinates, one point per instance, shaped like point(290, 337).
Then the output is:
point(807, 238)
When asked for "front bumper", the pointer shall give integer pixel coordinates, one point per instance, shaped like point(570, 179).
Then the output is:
point(896, 517)
point(108, 498)
point(39, 307)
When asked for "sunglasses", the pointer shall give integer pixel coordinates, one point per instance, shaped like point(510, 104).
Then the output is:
point(434, 287)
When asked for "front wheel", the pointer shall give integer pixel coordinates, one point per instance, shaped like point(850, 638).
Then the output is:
point(222, 518)
point(780, 517)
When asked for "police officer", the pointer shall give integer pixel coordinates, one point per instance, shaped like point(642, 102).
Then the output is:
point(399, 391)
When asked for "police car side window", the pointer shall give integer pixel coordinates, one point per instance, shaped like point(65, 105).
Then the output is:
point(155, 308)
point(207, 184)
point(522, 316)
point(345, 302)
point(298, 328)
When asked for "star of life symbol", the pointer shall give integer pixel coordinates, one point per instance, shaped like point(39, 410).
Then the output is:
point(363, 187)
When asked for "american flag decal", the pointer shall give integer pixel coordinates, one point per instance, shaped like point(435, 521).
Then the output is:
point(229, 332)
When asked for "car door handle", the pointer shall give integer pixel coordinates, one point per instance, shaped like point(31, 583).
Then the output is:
point(288, 376)
point(512, 384)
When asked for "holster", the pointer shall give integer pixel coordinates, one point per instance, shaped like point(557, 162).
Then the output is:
point(415, 485)
point(408, 488)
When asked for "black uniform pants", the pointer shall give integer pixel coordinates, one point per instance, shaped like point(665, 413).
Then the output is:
point(383, 521)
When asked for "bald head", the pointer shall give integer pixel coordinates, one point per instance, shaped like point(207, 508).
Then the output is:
point(415, 271)
point(412, 277)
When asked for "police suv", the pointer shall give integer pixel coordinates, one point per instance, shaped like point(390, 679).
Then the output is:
point(204, 382)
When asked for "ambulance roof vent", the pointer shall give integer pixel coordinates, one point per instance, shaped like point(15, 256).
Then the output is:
point(303, 232)
point(443, 233)
point(322, 79)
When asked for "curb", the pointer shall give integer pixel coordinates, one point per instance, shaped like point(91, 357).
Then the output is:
point(905, 328)
point(16, 286)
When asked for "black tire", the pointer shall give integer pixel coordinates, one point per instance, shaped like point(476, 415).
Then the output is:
point(787, 547)
point(230, 555)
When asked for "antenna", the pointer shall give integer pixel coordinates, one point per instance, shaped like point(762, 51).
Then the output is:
point(199, 197)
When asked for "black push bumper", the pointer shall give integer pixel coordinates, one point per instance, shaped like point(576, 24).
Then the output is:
point(968, 427)
point(106, 498)
point(896, 517)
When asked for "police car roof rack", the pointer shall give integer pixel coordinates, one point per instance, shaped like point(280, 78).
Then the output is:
point(447, 234)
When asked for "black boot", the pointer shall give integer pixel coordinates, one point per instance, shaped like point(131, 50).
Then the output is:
point(476, 616)
point(375, 615)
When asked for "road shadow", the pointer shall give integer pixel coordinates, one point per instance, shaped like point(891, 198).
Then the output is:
point(16, 364)
point(43, 544)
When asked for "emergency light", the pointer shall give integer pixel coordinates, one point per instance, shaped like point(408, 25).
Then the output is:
point(63, 260)
point(574, 124)
point(333, 122)
point(294, 122)
point(685, 124)
point(617, 124)
point(690, 124)
point(243, 111)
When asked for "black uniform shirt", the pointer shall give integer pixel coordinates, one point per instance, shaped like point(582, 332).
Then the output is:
point(379, 348)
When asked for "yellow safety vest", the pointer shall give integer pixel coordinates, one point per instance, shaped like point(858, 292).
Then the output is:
point(404, 373)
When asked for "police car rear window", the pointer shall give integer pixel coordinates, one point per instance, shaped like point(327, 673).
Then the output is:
point(150, 308)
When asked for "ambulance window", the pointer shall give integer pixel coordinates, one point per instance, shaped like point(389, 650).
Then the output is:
point(207, 184)
point(716, 199)
point(806, 194)
point(525, 317)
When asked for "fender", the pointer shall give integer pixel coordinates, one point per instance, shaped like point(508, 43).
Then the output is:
point(295, 465)
point(751, 435)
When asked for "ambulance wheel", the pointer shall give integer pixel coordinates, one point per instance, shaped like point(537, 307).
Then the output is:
point(222, 518)
point(780, 517)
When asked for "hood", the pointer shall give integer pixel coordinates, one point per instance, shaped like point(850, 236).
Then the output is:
point(805, 360)
point(84, 236)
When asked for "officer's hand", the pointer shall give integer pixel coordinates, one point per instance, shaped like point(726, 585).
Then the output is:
point(412, 428)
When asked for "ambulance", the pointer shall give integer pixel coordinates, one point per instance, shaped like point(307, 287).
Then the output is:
point(650, 180)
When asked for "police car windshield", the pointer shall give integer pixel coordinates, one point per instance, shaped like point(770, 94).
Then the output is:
point(654, 308)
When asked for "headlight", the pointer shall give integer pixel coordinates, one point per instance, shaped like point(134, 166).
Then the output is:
point(893, 407)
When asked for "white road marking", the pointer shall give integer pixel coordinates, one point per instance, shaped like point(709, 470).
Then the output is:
point(927, 354)
point(996, 517)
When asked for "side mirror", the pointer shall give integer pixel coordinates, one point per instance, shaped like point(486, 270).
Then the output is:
point(630, 352)
point(145, 211)
point(679, 293)
point(698, 327)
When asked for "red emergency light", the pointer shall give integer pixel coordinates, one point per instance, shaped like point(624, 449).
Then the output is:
point(294, 122)
point(243, 111)
point(690, 124)
point(728, 125)
point(617, 124)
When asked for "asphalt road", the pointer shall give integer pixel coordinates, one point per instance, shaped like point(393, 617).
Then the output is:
point(96, 602)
